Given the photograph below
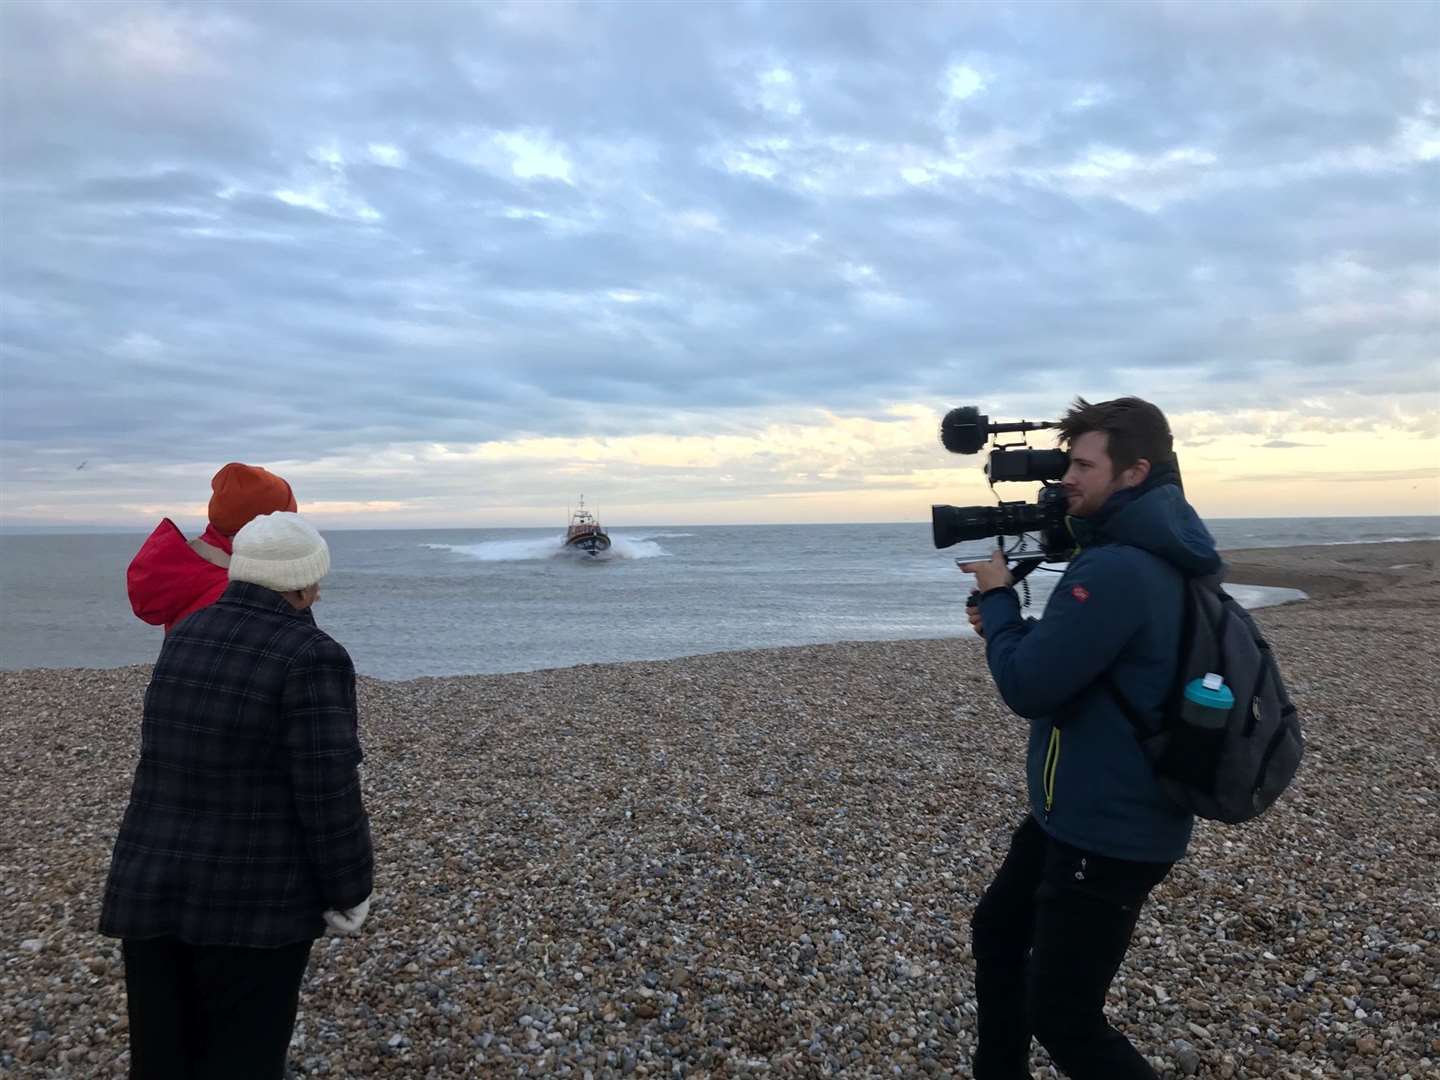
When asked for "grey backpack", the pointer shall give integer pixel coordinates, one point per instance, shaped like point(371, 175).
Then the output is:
point(1235, 771)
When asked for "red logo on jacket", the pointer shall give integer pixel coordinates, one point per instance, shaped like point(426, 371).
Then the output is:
point(1079, 592)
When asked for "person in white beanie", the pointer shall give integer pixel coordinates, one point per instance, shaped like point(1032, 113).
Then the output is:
point(285, 554)
point(246, 836)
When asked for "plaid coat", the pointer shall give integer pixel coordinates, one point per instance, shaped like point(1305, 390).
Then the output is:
point(245, 820)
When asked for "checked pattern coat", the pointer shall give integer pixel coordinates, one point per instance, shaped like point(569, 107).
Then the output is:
point(245, 819)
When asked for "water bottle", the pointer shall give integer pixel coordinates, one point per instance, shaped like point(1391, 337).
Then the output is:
point(1206, 710)
point(1208, 702)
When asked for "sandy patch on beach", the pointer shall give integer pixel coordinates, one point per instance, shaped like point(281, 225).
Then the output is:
point(1336, 570)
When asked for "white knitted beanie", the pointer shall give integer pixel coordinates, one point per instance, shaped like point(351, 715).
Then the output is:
point(281, 551)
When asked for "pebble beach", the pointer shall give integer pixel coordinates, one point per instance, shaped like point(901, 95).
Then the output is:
point(764, 863)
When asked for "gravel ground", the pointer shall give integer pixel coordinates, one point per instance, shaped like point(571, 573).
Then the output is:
point(765, 863)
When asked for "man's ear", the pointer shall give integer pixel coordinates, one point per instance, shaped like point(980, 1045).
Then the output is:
point(1136, 474)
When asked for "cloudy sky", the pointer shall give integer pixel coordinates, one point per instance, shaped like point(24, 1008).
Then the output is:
point(451, 264)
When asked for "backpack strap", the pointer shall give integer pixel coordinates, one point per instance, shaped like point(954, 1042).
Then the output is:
point(1187, 616)
point(210, 553)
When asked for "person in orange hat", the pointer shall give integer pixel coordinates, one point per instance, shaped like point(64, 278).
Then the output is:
point(171, 577)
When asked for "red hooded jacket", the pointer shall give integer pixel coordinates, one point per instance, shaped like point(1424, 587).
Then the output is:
point(169, 577)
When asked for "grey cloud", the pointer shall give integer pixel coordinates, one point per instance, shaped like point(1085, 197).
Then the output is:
point(168, 186)
point(425, 299)
point(271, 210)
point(1282, 444)
point(1365, 477)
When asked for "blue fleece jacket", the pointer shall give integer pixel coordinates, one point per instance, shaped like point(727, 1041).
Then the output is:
point(1116, 609)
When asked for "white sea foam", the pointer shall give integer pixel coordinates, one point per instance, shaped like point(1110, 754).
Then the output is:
point(1384, 540)
point(551, 547)
point(621, 547)
point(1258, 596)
point(531, 547)
point(624, 546)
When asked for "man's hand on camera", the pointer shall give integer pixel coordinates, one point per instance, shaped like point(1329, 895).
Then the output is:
point(993, 574)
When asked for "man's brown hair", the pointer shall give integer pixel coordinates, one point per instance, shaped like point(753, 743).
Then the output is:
point(1135, 429)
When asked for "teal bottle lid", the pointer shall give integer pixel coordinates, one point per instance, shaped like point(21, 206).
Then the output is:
point(1210, 692)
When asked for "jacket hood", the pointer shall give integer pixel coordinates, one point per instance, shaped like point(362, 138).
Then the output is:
point(215, 538)
point(1155, 517)
point(167, 580)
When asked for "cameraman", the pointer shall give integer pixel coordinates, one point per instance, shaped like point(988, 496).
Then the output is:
point(1052, 928)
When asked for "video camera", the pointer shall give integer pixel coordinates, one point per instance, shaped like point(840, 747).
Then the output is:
point(965, 431)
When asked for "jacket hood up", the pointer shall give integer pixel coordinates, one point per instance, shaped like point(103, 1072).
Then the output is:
point(167, 580)
point(1154, 517)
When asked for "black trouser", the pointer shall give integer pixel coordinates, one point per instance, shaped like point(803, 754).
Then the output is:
point(211, 1012)
point(1049, 935)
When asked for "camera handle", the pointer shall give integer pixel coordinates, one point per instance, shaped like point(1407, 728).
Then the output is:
point(1019, 572)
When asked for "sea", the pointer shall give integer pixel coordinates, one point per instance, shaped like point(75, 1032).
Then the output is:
point(471, 601)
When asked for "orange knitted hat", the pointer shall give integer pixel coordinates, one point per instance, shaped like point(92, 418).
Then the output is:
point(244, 492)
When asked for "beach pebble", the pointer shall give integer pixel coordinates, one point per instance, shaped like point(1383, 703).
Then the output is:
point(764, 863)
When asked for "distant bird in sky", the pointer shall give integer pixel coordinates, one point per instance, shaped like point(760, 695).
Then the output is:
point(82, 464)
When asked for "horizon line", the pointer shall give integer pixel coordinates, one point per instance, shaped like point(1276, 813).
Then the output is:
point(61, 528)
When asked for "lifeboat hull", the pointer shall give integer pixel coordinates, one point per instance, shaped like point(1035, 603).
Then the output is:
point(590, 543)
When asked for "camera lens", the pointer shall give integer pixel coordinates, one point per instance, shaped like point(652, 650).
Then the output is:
point(952, 524)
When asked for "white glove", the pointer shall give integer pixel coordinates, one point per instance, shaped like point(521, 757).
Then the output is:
point(348, 922)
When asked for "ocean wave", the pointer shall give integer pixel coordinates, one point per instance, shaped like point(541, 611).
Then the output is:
point(635, 547)
point(534, 548)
